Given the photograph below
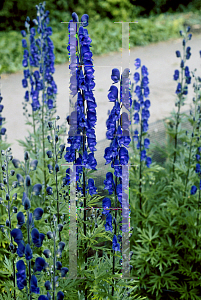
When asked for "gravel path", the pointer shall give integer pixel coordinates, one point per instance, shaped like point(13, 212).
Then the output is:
point(159, 58)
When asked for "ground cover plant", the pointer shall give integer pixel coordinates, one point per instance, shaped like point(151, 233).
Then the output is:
point(156, 206)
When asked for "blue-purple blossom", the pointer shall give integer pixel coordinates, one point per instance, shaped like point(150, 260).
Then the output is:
point(106, 204)
point(38, 212)
point(115, 244)
point(108, 224)
point(21, 274)
point(37, 237)
point(137, 63)
point(115, 75)
point(34, 285)
point(28, 252)
point(193, 190)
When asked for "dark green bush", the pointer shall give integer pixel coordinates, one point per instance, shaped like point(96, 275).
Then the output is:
point(13, 13)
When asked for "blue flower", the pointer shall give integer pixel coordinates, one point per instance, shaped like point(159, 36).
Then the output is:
point(178, 54)
point(49, 190)
point(115, 245)
point(43, 297)
point(64, 271)
point(34, 285)
point(17, 235)
point(148, 161)
point(115, 75)
point(60, 295)
point(37, 237)
point(143, 155)
point(193, 190)
point(84, 20)
point(27, 203)
point(37, 188)
point(23, 33)
point(48, 285)
point(106, 203)
point(38, 212)
point(136, 77)
point(137, 63)
point(20, 218)
point(178, 91)
point(197, 169)
point(24, 43)
point(197, 157)
point(21, 249)
point(91, 187)
point(21, 274)
point(108, 224)
point(28, 252)
point(113, 95)
point(20, 180)
point(144, 71)
point(39, 264)
point(146, 143)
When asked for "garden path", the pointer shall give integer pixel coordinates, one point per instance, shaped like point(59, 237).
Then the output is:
point(159, 58)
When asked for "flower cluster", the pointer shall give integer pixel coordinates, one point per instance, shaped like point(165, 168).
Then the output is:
point(142, 114)
point(38, 53)
point(198, 171)
point(116, 153)
point(2, 129)
point(183, 90)
point(82, 85)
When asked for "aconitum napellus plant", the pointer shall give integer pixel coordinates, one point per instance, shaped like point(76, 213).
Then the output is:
point(8, 201)
point(141, 117)
point(27, 237)
point(183, 79)
point(83, 117)
point(38, 53)
point(117, 154)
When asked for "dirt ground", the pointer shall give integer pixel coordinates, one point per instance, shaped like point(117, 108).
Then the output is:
point(159, 58)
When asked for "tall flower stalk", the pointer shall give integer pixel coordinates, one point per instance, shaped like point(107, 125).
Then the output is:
point(141, 116)
point(33, 237)
point(182, 88)
point(39, 55)
point(118, 132)
point(82, 120)
point(8, 204)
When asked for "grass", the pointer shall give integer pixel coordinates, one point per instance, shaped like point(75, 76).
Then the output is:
point(105, 35)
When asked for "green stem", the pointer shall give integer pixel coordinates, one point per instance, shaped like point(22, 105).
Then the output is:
point(9, 217)
point(177, 120)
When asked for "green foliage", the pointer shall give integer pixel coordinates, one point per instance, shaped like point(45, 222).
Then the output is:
point(148, 30)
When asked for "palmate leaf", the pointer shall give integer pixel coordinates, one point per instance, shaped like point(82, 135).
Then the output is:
point(6, 293)
point(8, 265)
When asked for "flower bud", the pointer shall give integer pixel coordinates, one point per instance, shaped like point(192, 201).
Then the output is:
point(48, 285)
point(27, 180)
point(7, 197)
point(26, 156)
point(5, 181)
point(49, 190)
point(12, 172)
point(56, 138)
point(50, 125)
point(49, 154)
point(47, 253)
point(3, 168)
point(60, 227)
point(14, 185)
point(27, 204)
point(57, 168)
point(58, 265)
point(49, 235)
point(14, 209)
point(7, 223)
